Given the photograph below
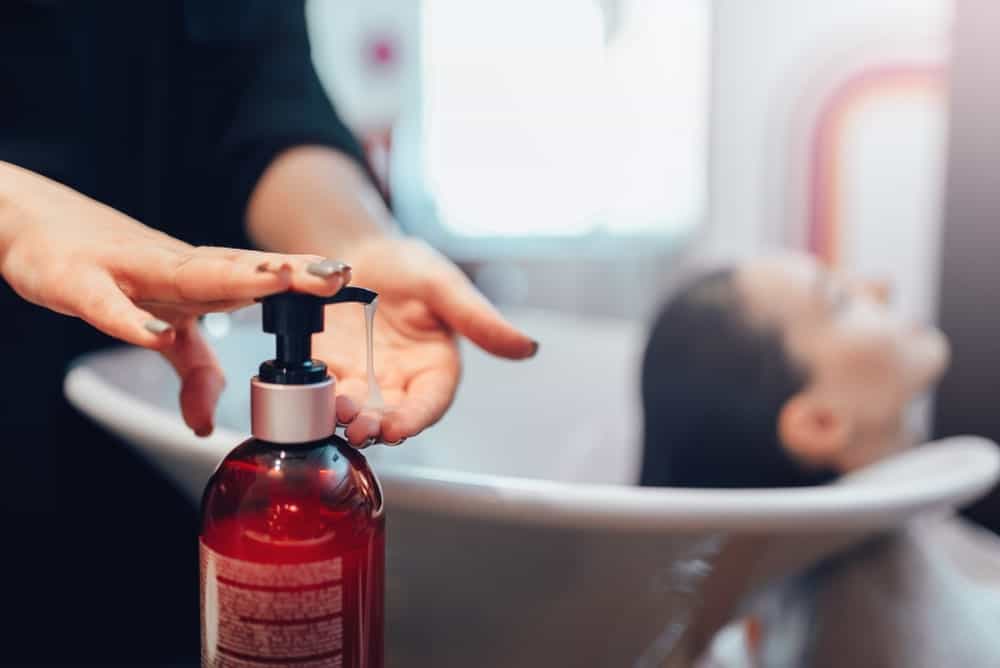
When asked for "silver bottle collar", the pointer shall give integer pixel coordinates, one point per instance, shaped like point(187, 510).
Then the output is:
point(292, 413)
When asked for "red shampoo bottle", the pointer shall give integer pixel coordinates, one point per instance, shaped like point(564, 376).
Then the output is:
point(293, 528)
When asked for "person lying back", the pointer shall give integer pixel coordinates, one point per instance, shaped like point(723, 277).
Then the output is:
point(779, 373)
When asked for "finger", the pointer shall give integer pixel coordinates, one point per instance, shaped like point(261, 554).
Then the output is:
point(308, 273)
point(427, 398)
point(320, 272)
point(108, 309)
point(465, 310)
point(201, 377)
point(362, 423)
point(199, 275)
point(225, 275)
point(200, 391)
point(346, 409)
point(352, 392)
point(214, 275)
point(364, 428)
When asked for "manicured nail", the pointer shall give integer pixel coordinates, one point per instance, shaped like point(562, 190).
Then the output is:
point(157, 326)
point(327, 268)
point(534, 348)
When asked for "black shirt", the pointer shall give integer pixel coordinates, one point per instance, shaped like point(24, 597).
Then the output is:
point(167, 110)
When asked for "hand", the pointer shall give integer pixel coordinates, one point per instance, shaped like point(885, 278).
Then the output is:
point(71, 254)
point(424, 301)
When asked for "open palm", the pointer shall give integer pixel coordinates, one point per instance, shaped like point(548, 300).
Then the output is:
point(424, 301)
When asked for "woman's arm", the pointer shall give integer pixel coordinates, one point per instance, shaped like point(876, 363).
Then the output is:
point(71, 254)
point(316, 197)
point(303, 185)
point(313, 198)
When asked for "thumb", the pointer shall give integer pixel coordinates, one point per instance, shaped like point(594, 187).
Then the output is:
point(201, 377)
point(464, 309)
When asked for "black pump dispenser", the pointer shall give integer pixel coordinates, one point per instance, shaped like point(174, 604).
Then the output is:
point(294, 317)
point(292, 540)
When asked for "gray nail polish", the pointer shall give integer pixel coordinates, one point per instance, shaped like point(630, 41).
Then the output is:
point(157, 326)
point(327, 268)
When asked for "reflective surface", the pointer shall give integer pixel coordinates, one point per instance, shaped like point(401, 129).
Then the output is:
point(316, 506)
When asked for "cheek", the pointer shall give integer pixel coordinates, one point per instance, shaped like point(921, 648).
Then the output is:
point(895, 364)
point(925, 355)
point(904, 358)
point(866, 374)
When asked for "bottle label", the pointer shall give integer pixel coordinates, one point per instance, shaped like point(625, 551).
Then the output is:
point(255, 614)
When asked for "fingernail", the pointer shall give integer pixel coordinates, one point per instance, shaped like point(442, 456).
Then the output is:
point(534, 348)
point(368, 442)
point(327, 268)
point(203, 432)
point(395, 443)
point(157, 326)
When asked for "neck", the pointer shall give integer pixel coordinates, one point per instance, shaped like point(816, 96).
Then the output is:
point(875, 445)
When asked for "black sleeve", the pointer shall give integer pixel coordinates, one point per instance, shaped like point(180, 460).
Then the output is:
point(259, 91)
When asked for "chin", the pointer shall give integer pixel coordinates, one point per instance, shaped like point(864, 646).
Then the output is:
point(930, 356)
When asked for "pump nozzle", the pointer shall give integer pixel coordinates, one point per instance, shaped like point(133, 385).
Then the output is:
point(294, 317)
point(351, 293)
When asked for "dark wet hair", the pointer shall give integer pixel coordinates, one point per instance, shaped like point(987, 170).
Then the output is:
point(713, 384)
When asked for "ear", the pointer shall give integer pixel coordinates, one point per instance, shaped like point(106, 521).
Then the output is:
point(813, 430)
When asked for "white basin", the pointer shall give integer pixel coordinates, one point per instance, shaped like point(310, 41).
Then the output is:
point(515, 534)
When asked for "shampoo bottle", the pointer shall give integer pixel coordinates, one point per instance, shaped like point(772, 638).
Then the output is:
point(292, 538)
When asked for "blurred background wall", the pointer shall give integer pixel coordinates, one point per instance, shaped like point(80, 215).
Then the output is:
point(570, 152)
point(828, 134)
point(967, 400)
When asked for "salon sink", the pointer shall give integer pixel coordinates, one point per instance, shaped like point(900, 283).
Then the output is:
point(516, 536)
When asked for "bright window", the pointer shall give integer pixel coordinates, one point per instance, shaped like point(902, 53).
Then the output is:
point(563, 119)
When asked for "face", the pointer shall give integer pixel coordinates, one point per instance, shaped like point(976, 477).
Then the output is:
point(864, 363)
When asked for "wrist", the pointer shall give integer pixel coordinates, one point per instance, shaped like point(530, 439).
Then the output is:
point(12, 218)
